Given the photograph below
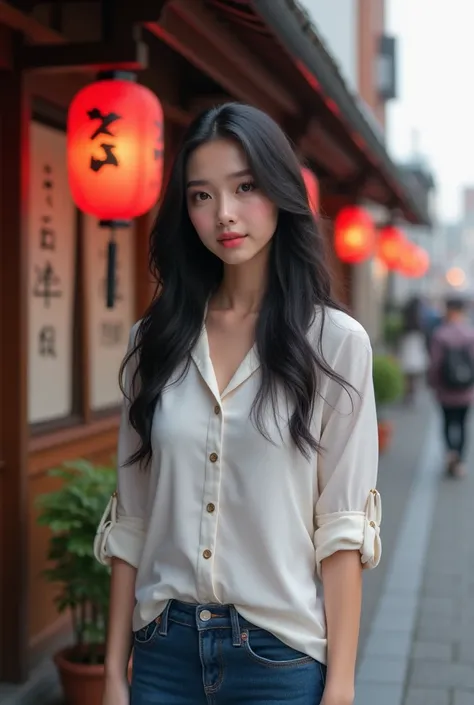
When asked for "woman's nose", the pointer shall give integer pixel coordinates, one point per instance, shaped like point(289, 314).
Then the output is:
point(226, 214)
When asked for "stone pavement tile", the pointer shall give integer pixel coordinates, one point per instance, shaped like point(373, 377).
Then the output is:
point(443, 585)
point(462, 697)
point(434, 628)
point(432, 651)
point(435, 674)
point(466, 651)
point(382, 669)
point(395, 620)
point(393, 601)
point(382, 642)
point(377, 694)
point(443, 606)
point(423, 696)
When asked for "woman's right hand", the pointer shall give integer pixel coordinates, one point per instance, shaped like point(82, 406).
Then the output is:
point(117, 691)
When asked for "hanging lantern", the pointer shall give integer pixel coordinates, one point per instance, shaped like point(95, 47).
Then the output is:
point(390, 247)
point(354, 235)
point(415, 261)
point(312, 189)
point(115, 154)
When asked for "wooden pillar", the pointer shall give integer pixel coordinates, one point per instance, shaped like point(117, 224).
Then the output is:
point(14, 158)
point(342, 272)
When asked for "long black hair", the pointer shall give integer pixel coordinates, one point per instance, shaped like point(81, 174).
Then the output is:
point(187, 274)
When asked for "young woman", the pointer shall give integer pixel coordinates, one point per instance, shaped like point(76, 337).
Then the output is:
point(248, 444)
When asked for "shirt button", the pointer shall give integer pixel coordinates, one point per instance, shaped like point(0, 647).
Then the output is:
point(213, 457)
point(217, 409)
point(207, 553)
point(205, 615)
point(210, 507)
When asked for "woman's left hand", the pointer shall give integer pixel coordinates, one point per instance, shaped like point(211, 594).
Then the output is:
point(337, 696)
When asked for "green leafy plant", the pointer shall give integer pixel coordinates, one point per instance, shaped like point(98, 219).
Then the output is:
point(72, 514)
point(388, 380)
point(392, 328)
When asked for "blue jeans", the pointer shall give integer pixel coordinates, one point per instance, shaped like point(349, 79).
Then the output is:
point(210, 655)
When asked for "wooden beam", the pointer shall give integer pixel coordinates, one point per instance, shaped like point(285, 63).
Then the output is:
point(192, 30)
point(6, 48)
point(27, 25)
point(129, 55)
point(14, 141)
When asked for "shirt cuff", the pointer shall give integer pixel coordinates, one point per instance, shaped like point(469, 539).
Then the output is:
point(349, 531)
point(118, 537)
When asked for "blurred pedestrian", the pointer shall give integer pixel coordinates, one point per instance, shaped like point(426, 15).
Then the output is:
point(413, 352)
point(451, 375)
point(248, 444)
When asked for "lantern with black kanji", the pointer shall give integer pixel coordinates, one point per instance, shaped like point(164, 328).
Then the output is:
point(354, 235)
point(312, 189)
point(390, 247)
point(115, 154)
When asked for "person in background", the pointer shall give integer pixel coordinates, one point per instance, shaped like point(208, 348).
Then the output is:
point(413, 352)
point(431, 318)
point(451, 375)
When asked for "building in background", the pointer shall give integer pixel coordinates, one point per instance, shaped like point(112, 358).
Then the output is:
point(453, 253)
point(354, 31)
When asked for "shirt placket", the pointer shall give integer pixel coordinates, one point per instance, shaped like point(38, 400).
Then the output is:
point(210, 506)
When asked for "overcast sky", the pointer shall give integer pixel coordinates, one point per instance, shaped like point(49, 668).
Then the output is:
point(435, 91)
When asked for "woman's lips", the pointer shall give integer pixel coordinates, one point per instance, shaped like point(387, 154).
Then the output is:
point(231, 239)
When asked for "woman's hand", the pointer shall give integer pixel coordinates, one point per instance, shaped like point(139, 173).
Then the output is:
point(117, 691)
point(334, 695)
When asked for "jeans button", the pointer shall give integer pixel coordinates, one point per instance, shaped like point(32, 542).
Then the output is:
point(205, 615)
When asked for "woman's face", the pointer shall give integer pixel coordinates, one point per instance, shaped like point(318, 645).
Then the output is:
point(232, 217)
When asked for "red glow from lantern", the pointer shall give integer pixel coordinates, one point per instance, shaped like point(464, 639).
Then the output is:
point(354, 235)
point(312, 189)
point(390, 247)
point(415, 261)
point(115, 149)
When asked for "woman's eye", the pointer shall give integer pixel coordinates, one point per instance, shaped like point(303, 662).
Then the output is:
point(247, 187)
point(201, 196)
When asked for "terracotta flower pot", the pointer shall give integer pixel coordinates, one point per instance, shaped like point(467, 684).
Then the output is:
point(385, 429)
point(82, 683)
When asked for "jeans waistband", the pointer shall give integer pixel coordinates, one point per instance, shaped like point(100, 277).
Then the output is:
point(204, 617)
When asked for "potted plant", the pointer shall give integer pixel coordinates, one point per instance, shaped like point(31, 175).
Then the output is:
point(73, 513)
point(388, 386)
point(392, 329)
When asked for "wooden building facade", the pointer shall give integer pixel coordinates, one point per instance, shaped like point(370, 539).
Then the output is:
point(60, 347)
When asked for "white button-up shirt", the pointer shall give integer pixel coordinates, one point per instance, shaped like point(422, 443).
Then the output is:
point(223, 515)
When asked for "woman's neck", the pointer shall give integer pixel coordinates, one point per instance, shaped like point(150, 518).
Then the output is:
point(242, 288)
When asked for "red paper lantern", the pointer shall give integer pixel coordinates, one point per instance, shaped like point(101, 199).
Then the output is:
point(415, 261)
point(312, 189)
point(390, 247)
point(354, 235)
point(115, 149)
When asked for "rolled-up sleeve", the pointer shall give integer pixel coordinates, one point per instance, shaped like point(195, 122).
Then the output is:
point(121, 532)
point(348, 510)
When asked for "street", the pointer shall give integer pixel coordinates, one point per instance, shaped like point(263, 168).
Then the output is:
point(417, 642)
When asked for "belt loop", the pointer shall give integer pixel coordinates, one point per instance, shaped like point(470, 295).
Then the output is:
point(234, 620)
point(163, 628)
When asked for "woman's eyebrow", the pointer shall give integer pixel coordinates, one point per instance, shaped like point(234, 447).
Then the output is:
point(234, 175)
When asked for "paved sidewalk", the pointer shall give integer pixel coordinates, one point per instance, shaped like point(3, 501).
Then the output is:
point(420, 647)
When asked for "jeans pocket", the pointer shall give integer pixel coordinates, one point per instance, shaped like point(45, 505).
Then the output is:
point(265, 648)
point(147, 635)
